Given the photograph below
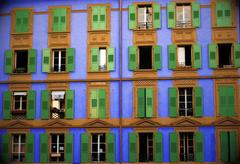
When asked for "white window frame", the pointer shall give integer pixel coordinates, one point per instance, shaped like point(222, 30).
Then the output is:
point(19, 145)
point(21, 94)
point(59, 59)
point(98, 146)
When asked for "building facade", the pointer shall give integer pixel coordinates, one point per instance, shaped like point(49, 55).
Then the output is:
point(119, 81)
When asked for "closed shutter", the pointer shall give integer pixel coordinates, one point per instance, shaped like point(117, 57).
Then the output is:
point(222, 94)
point(172, 93)
point(45, 104)
point(157, 57)
point(59, 20)
point(94, 103)
point(102, 103)
point(95, 17)
point(237, 55)
point(233, 146)
point(8, 67)
point(212, 55)
point(172, 56)
point(158, 153)
point(22, 21)
point(132, 58)
point(219, 14)
point(31, 104)
point(30, 147)
point(171, 14)
point(156, 16)
point(94, 54)
point(196, 14)
point(132, 22)
point(173, 146)
point(224, 146)
point(69, 104)
point(149, 102)
point(110, 147)
point(197, 55)
point(132, 147)
point(227, 8)
point(141, 102)
point(111, 59)
point(7, 97)
point(70, 59)
point(84, 147)
point(44, 148)
point(55, 20)
point(46, 60)
point(103, 17)
point(5, 155)
point(32, 60)
point(69, 148)
point(198, 101)
point(199, 146)
point(230, 99)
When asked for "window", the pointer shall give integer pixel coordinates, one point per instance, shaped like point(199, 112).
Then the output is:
point(145, 57)
point(184, 55)
point(145, 102)
point(226, 99)
point(18, 147)
point(185, 101)
point(98, 103)
point(145, 147)
point(59, 60)
point(224, 55)
point(21, 61)
point(183, 15)
point(223, 13)
point(20, 105)
point(145, 16)
point(58, 104)
point(59, 19)
point(98, 147)
point(57, 147)
point(186, 146)
point(99, 18)
point(22, 21)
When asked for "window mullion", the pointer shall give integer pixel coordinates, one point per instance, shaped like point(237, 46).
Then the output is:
point(20, 103)
point(57, 144)
point(19, 147)
point(59, 61)
point(98, 147)
point(185, 101)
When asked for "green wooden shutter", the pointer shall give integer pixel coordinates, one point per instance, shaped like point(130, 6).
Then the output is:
point(172, 102)
point(70, 59)
point(94, 54)
point(55, 21)
point(227, 13)
point(95, 17)
point(110, 147)
point(173, 146)
point(45, 104)
point(198, 101)
point(172, 56)
point(69, 148)
point(59, 20)
point(224, 146)
point(22, 21)
point(44, 148)
point(149, 102)
point(94, 103)
point(196, 14)
point(156, 16)
point(197, 55)
point(132, 58)
point(132, 16)
point(141, 102)
point(158, 153)
point(222, 91)
point(8, 67)
point(84, 147)
point(103, 17)
point(157, 57)
point(30, 147)
point(212, 55)
point(171, 14)
point(69, 104)
point(233, 146)
point(199, 146)
point(219, 14)
point(132, 147)
point(237, 55)
point(5, 155)
point(32, 60)
point(7, 97)
point(31, 101)
point(111, 59)
point(102, 103)
point(46, 60)
point(230, 99)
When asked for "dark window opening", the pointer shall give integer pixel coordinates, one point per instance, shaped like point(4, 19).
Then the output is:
point(186, 146)
point(145, 147)
point(21, 61)
point(19, 105)
point(225, 55)
point(183, 15)
point(145, 17)
point(57, 148)
point(98, 147)
point(18, 147)
point(185, 102)
point(59, 60)
point(145, 57)
point(185, 56)
point(58, 104)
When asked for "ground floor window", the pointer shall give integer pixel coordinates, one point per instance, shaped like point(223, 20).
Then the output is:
point(57, 147)
point(18, 147)
point(186, 146)
point(145, 147)
point(98, 147)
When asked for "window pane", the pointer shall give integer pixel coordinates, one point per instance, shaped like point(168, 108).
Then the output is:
point(102, 59)
point(181, 56)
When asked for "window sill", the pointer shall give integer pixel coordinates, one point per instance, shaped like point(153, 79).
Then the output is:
point(96, 31)
point(58, 72)
point(19, 112)
point(226, 68)
point(150, 29)
point(21, 73)
point(185, 69)
point(183, 28)
point(22, 33)
point(58, 32)
point(146, 70)
point(99, 72)
point(224, 27)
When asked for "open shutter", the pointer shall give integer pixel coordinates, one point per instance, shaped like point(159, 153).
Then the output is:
point(198, 101)
point(132, 15)
point(8, 67)
point(31, 99)
point(32, 60)
point(196, 14)
point(157, 57)
point(94, 103)
point(230, 98)
point(224, 146)
point(102, 103)
point(149, 102)
point(94, 54)
point(44, 148)
point(103, 18)
point(30, 147)
point(84, 147)
point(132, 58)
point(212, 55)
point(158, 155)
point(70, 59)
point(5, 155)
point(171, 14)
point(222, 91)
point(110, 147)
point(111, 59)
point(132, 147)
point(237, 55)
point(69, 148)
point(173, 146)
point(45, 104)
point(172, 93)
point(69, 104)
point(199, 146)
point(7, 97)
point(156, 16)
point(46, 60)
point(233, 146)
point(197, 55)
point(95, 17)
point(141, 102)
point(172, 56)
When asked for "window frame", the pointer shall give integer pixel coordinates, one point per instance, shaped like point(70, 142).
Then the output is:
point(50, 144)
point(137, 14)
point(178, 67)
point(50, 102)
point(52, 60)
point(178, 103)
point(232, 66)
point(13, 103)
point(191, 17)
point(15, 61)
point(12, 142)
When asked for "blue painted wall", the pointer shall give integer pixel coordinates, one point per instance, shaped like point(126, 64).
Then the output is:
point(127, 100)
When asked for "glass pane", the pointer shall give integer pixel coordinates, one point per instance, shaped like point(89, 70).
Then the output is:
point(102, 59)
